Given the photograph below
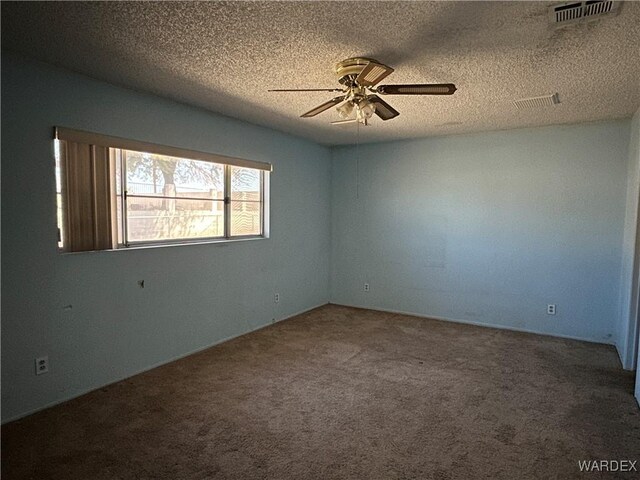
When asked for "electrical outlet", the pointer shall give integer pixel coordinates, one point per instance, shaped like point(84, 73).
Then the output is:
point(551, 309)
point(276, 298)
point(42, 365)
point(366, 287)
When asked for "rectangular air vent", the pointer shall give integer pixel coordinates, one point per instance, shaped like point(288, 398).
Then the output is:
point(574, 12)
point(533, 102)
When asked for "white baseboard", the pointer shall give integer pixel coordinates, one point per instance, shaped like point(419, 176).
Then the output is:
point(477, 324)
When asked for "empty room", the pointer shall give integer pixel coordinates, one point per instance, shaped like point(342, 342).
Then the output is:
point(320, 240)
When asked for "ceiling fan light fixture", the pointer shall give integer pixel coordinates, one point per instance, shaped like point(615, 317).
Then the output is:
point(365, 109)
point(345, 110)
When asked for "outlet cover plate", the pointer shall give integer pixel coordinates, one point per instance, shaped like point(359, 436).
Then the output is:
point(42, 365)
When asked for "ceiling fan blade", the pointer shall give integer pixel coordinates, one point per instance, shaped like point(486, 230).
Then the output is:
point(325, 106)
point(372, 74)
point(417, 89)
point(349, 121)
point(306, 90)
point(383, 109)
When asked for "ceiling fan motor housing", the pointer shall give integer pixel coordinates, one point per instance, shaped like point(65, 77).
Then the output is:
point(347, 70)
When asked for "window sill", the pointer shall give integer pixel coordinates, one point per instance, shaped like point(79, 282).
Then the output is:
point(223, 242)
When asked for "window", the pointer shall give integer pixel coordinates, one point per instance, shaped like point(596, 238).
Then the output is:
point(168, 198)
point(116, 193)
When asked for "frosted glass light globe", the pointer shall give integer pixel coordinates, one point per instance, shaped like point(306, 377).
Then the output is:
point(366, 109)
point(345, 110)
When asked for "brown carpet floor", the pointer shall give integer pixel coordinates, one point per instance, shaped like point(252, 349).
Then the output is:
point(343, 393)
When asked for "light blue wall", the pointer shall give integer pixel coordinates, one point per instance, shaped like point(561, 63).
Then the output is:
point(482, 228)
point(627, 334)
point(486, 228)
point(630, 279)
point(195, 295)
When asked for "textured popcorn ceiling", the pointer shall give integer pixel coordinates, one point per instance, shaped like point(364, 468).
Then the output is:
point(223, 56)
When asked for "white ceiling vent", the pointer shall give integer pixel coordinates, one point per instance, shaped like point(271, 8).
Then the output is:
point(574, 12)
point(533, 102)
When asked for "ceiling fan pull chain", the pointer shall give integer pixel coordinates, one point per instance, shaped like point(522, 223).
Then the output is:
point(357, 160)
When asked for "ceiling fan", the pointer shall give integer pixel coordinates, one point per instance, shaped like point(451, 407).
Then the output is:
point(359, 100)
